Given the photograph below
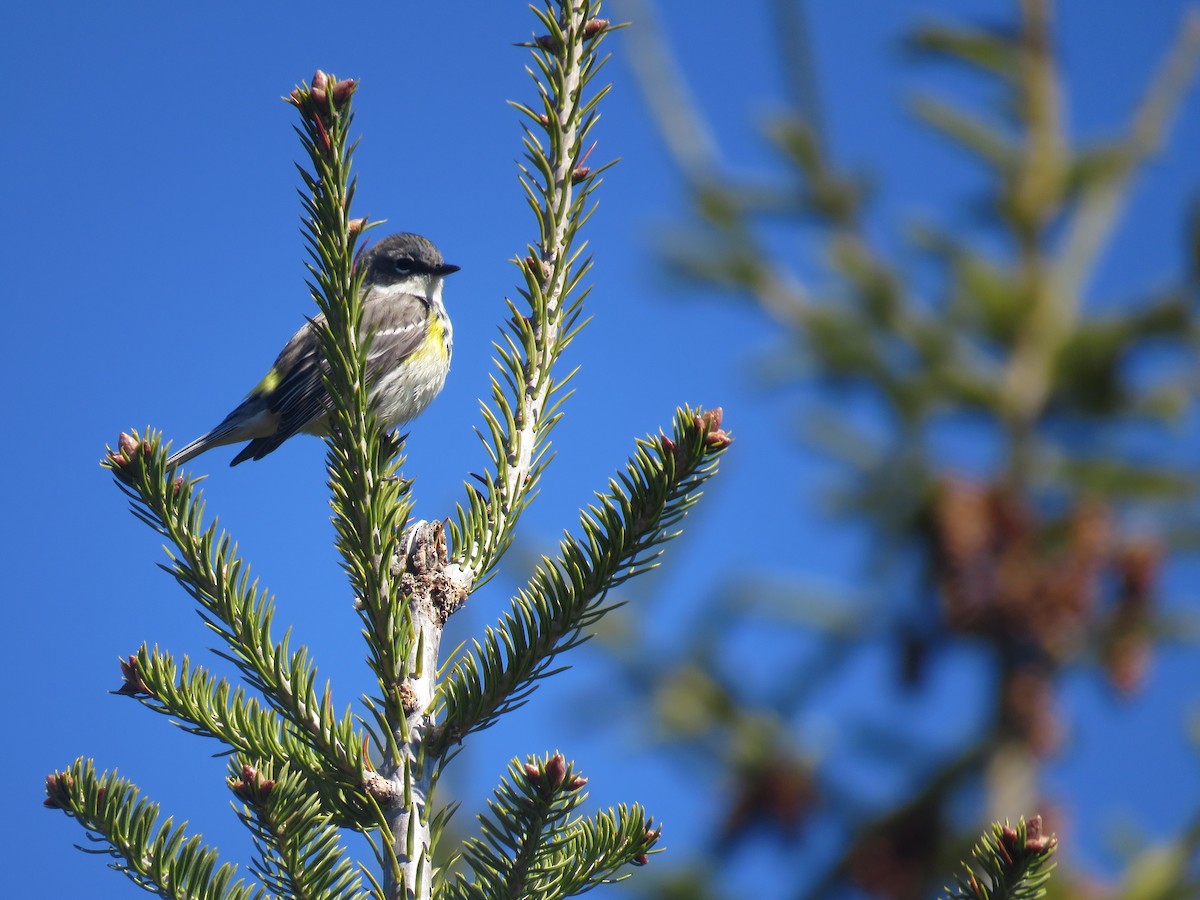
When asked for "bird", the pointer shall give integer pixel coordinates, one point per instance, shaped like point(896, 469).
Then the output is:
point(409, 357)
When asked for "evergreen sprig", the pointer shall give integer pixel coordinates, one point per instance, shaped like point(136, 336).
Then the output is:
point(1007, 864)
point(531, 846)
point(370, 502)
point(622, 537)
point(159, 857)
point(207, 566)
point(558, 185)
point(208, 706)
point(299, 854)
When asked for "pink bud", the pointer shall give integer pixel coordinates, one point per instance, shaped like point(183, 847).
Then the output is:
point(710, 423)
point(133, 685)
point(127, 444)
point(556, 769)
point(58, 790)
point(343, 89)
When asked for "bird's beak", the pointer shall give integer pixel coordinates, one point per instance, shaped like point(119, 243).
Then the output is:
point(446, 269)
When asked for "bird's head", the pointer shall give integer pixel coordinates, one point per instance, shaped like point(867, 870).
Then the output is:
point(405, 262)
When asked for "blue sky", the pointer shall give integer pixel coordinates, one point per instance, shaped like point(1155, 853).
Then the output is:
point(153, 264)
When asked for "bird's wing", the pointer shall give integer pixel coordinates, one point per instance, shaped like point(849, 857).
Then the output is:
point(292, 392)
point(298, 395)
point(398, 323)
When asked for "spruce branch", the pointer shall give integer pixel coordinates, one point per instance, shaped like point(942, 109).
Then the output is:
point(208, 706)
point(159, 857)
point(299, 854)
point(622, 536)
point(557, 185)
point(208, 568)
point(370, 503)
point(1007, 864)
point(530, 845)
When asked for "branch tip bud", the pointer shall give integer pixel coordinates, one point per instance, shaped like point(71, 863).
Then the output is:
point(58, 790)
point(594, 27)
point(649, 839)
point(1035, 841)
point(129, 451)
point(343, 89)
point(556, 770)
point(251, 787)
point(132, 683)
point(709, 422)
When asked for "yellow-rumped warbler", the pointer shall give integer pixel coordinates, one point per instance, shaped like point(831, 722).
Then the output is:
point(406, 366)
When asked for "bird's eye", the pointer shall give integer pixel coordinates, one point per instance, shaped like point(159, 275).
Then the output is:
point(403, 266)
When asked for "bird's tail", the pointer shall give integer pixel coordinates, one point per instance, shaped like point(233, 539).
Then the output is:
point(250, 420)
point(206, 441)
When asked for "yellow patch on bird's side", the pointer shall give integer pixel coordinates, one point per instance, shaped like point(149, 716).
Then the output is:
point(269, 383)
point(437, 334)
point(434, 344)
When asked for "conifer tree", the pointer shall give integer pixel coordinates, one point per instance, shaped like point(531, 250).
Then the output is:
point(989, 322)
point(300, 771)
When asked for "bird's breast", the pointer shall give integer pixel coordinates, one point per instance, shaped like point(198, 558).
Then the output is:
point(405, 391)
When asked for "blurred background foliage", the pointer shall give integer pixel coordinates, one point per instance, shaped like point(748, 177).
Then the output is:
point(1019, 471)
